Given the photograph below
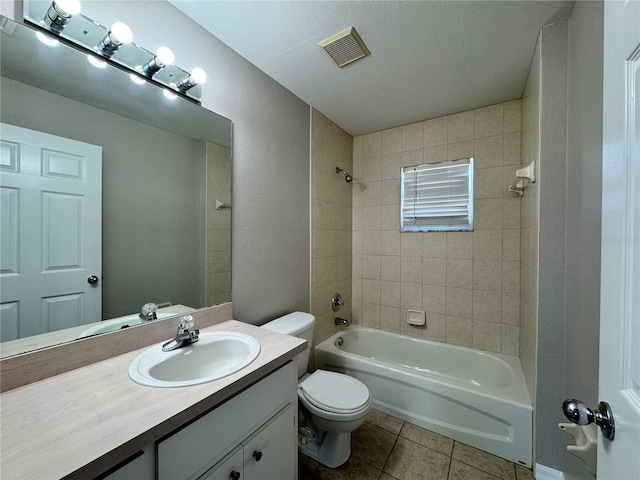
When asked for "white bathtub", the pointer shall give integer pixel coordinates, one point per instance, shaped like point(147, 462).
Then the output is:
point(475, 397)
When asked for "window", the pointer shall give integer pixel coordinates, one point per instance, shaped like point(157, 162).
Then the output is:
point(437, 197)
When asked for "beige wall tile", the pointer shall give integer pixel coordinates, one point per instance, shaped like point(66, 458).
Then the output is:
point(390, 242)
point(411, 296)
point(390, 166)
point(411, 269)
point(435, 132)
point(390, 192)
point(487, 275)
point(435, 154)
point(390, 294)
point(512, 116)
point(457, 276)
point(434, 271)
point(412, 137)
point(411, 244)
point(371, 314)
point(457, 151)
point(459, 331)
point(390, 318)
point(460, 302)
point(390, 268)
point(460, 244)
point(510, 340)
point(487, 306)
point(460, 127)
point(372, 145)
point(459, 272)
point(411, 157)
point(487, 245)
point(436, 327)
point(489, 152)
point(391, 141)
point(489, 121)
point(487, 336)
point(434, 244)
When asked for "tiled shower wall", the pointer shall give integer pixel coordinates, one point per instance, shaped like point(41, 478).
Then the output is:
point(468, 283)
point(218, 273)
point(331, 147)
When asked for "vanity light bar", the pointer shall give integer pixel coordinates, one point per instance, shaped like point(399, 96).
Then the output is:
point(115, 44)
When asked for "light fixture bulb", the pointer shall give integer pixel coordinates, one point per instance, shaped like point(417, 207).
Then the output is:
point(67, 7)
point(59, 14)
point(198, 75)
point(165, 56)
point(121, 33)
point(95, 62)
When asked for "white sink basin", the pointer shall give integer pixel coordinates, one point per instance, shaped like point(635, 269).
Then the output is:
point(214, 356)
point(118, 323)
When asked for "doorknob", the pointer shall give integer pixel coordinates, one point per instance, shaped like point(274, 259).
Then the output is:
point(93, 280)
point(579, 413)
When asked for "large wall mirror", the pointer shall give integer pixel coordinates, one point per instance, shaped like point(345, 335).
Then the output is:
point(155, 227)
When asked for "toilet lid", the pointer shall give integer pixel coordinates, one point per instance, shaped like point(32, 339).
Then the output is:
point(334, 392)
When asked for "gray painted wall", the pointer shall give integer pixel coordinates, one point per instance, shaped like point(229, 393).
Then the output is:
point(583, 222)
point(553, 111)
point(271, 167)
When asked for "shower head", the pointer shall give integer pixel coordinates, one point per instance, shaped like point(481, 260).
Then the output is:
point(348, 178)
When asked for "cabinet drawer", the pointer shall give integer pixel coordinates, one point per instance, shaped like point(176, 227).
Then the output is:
point(192, 450)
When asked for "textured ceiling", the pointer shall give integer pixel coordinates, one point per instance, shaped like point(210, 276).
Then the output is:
point(428, 58)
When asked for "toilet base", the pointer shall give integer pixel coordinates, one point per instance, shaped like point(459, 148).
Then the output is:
point(334, 450)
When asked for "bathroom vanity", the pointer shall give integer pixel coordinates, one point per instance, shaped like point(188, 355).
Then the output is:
point(95, 422)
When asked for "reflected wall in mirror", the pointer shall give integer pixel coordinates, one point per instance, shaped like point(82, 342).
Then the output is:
point(166, 165)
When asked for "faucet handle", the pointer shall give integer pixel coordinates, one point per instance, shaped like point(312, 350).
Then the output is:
point(186, 322)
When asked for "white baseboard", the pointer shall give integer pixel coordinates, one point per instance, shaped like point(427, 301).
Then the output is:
point(540, 472)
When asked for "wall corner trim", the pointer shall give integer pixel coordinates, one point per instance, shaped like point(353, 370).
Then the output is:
point(546, 473)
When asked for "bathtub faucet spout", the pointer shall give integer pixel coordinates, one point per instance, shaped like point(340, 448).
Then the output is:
point(342, 321)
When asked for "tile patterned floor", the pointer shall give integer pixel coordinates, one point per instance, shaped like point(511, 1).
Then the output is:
point(388, 448)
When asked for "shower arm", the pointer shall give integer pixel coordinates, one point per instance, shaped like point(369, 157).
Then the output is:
point(348, 178)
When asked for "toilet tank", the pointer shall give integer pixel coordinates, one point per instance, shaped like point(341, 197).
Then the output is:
point(297, 324)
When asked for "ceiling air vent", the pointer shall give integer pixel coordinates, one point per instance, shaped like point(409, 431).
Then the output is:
point(345, 47)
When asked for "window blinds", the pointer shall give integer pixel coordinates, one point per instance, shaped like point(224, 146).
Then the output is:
point(437, 196)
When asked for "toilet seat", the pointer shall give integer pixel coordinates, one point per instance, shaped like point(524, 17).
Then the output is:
point(335, 392)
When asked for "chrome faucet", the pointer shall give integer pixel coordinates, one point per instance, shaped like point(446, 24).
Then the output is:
point(342, 321)
point(184, 336)
point(148, 312)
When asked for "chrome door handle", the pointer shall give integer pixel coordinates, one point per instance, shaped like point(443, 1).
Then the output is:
point(579, 413)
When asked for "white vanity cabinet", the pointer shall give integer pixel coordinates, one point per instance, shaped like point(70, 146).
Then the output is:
point(263, 456)
point(260, 420)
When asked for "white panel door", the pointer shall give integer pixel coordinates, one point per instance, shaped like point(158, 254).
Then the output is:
point(50, 232)
point(619, 379)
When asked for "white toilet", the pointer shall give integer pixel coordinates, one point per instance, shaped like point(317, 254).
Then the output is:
point(331, 405)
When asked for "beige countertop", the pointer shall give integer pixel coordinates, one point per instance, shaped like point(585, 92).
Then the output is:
point(84, 421)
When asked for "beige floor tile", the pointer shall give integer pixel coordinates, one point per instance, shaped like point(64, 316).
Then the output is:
point(383, 420)
point(486, 462)
point(307, 467)
point(384, 476)
point(411, 461)
point(523, 473)
point(460, 471)
point(427, 438)
point(372, 444)
point(353, 469)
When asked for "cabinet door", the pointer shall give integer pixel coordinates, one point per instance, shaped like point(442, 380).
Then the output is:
point(230, 468)
point(270, 453)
